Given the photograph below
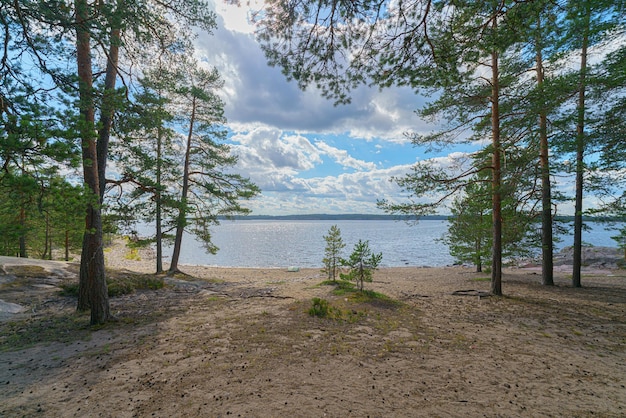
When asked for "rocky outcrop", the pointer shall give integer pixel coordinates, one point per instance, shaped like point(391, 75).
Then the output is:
point(597, 257)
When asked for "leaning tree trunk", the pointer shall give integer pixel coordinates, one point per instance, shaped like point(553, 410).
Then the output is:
point(580, 151)
point(496, 183)
point(182, 212)
point(93, 292)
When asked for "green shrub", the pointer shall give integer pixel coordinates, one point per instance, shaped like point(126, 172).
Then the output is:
point(320, 308)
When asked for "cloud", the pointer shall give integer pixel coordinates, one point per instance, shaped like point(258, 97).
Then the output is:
point(272, 159)
point(256, 93)
point(342, 157)
point(347, 193)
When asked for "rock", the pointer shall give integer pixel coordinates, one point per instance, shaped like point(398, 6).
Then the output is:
point(12, 308)
point(605, 257)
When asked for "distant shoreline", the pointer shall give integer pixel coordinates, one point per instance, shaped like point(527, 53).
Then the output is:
point(337, 217)
point(382, 217)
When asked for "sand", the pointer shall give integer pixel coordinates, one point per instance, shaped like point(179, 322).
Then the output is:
point(240, 342)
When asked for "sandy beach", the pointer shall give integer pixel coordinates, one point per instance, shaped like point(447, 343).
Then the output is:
point(240, 342)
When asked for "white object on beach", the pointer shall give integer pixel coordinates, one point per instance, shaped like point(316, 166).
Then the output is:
point(293, 268)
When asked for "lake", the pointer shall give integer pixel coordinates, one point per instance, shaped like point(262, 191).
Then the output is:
point(280, 243)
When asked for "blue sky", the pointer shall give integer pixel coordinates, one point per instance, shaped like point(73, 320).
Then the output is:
point(307, 155)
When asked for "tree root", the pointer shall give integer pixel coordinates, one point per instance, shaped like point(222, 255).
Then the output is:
point(471, 292)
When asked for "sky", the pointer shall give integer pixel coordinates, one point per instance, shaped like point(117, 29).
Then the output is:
point(307, 155)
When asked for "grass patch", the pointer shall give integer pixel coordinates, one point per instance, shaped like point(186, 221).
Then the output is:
point(349, 290)
point(321, 308)
point(64, 328)
point(119, 284)
point(369, 296)
point(353, 300)
point(27, 271)
point(481, 279)
point(342, 287)
point(132, 254)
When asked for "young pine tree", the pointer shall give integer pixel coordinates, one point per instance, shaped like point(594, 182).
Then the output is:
point(469, 231)
point(362, 263)
point(334, 246)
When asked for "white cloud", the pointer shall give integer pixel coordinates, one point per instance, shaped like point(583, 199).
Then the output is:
point(256, 93)
point(342, 157)
point(273, 160)
point(237, 17)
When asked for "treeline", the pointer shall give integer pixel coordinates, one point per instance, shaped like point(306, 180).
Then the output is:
point(382, 217)
point(338, 217)
point(539, 86)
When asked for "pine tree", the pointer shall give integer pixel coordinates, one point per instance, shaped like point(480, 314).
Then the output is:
point(332, 252)
point(362, 264)
point(146, 154)
point(469, 230)
point(586, 25)
point(207, 189)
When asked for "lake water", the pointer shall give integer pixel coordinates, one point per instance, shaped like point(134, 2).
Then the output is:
point(279, 243)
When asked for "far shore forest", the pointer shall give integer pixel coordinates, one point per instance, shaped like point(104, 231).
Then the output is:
point(86, 86)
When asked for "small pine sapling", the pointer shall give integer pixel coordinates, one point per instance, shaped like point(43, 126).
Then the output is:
point(362, 263)
point(320, 308)
point(334, 246)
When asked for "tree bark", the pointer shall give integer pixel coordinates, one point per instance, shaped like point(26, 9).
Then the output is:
point(93, 292)
point(580, 152)
point(47, 239)
point(547, 245)
point(67, 245)
point(479, 261)
point(159, 231)
point(496, 272)
point(23, 253)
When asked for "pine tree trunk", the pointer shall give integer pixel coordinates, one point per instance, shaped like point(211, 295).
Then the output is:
point(182, 213)
point(108, 109)
point(547, 245)
point(159, 231)
point(496, 272)
point(22, 239)
point(479, 257)
point(580, 151)
point(93, 292)
point(159, 242)
point(92, 282)
point(47, 240)
point(67, 245)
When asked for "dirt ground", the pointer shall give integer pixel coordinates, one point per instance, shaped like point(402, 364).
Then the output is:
point(240, 342)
